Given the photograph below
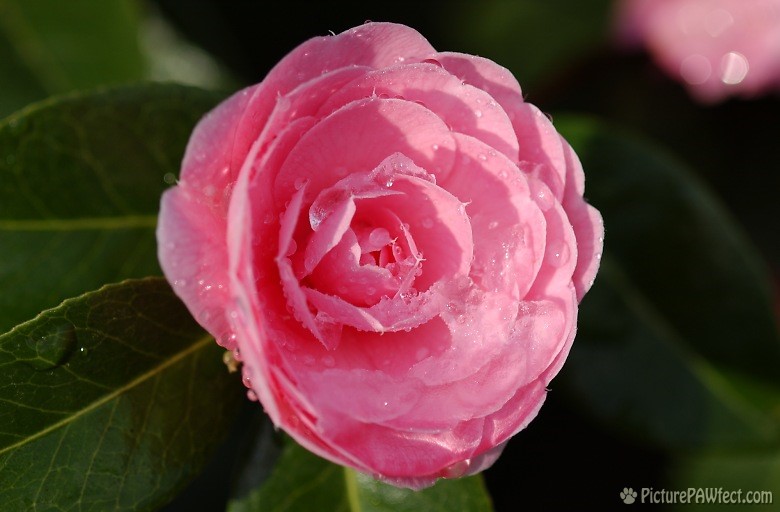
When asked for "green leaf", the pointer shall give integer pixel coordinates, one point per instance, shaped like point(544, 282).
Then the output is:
point(677, 340)
point(748, 472)
point(112, 400)
point(80, 185)
point(510, 34)
point(50, 47)
point(301, 481)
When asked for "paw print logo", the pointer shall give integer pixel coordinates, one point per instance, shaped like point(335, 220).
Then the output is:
point(628, 495)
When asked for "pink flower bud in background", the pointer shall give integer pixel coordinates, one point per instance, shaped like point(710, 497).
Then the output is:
point(717, 48)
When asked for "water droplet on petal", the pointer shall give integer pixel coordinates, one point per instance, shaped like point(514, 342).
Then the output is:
point(251, 395)
point(733, 68)
point(329, 361)
point(559, 254)
point(478, 113)
point(169, 178)
point(493, 224)
point(427, 223)
point(458, 469)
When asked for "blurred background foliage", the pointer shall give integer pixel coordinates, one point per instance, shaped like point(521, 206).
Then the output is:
point(673, 381)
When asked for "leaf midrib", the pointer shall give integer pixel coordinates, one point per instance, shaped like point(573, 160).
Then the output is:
point(200, 343)
point(80, 224)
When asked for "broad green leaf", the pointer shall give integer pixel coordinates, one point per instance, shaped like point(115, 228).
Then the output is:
point(677, 340)
point(301, 481)
point(80, 184)
point(753, 476)
point(536, 40)
point(49, 47)
point(111, 401)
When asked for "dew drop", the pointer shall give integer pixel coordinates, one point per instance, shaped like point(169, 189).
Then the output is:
point(543, 196)
point(478, 113)
point(427, 223)
point(53, 348)
point(329, 361)
point(251, 395)
point(559, 254)
point(300, 182)
point(458, 469)
point(209, 191)
point(493, 224)
point(169, 178)
point(482, 157)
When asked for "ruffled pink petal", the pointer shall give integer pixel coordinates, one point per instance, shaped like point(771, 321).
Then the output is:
point(191, 251)
point(438, 223)
point(388, 315)
point(483, 74)
point(329, 233)
point(375, 45)
point(463, 107)
point(359, 136)
point(342, 274)
point(509, 229)
point(208, 166)
point(586, 222)
point(561, 251)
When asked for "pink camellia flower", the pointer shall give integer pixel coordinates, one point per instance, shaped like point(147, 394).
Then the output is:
point(716, 47)
point(393, 242)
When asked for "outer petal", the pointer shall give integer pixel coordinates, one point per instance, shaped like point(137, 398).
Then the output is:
point(192, 253)
point(191, 231)
point(586, 222)
point(539, 142)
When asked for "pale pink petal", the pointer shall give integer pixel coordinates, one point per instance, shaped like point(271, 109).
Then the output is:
point(508, 227)
point(328, 233)
point(208, 166)
point(483, 74)
point(359, 136)
point(192, 254)
point(539, 142)
point(342, 274)
point(587, 224)
point(463, 107)
point(561, 251)
point(375, 45)
point(388, 315)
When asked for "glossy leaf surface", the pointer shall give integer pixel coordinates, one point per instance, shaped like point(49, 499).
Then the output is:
point(111, 401)
point(677, 341)
point(80, 184)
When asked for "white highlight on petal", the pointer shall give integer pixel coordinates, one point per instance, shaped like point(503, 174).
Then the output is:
point(734, 68)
